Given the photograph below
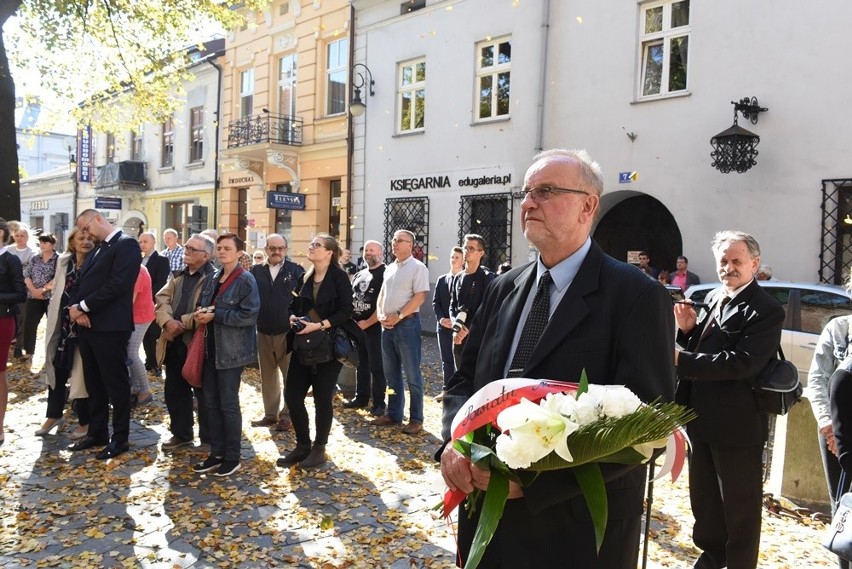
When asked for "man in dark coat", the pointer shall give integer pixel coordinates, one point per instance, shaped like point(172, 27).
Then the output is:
point(603, 316)
point(159, 269)
point(723, 353)
point(101, 304)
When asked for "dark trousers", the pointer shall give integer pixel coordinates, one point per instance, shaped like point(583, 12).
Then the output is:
point(178, 395)
point(57, 395)
point(35, 310)
point(370, 366)
point(726, 494)
point(149, 345)
point(107, 381)
point(222, 395)
point(19, 328)
point(323, 379)
point(445, 347)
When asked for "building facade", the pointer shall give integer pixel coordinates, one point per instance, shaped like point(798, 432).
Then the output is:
point(285, 127)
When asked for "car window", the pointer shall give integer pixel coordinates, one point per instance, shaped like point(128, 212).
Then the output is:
point(818, 307)
point(781, 294)
point(700, 294)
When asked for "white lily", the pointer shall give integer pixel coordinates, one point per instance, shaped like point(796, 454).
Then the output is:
point(534, 431)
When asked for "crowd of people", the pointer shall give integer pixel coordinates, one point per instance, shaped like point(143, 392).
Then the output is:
point(210, 307)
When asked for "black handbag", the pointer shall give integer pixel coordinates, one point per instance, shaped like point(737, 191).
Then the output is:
point(345, 349)
point(777, 388)
point(313, 348)
point(838, 536)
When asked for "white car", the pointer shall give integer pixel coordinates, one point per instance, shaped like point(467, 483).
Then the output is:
point(808, 309)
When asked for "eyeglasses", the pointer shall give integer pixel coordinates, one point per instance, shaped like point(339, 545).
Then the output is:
point(396, 240)
point(316, 244)
point(86, 227)
point(273, 249)
point(547, 193)
point(193, 249)
point(472, 249)
point(260, 257)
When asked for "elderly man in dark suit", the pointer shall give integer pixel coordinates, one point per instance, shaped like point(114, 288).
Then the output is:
point(597, 314)
point(723, 352)
point(101, 304)
point(159, 269)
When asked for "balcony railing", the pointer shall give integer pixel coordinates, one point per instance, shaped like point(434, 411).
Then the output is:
point(127, 175)
point(265, 128)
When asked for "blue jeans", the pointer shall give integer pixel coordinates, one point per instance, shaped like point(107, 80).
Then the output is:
point(222, 396)
point(401, 354)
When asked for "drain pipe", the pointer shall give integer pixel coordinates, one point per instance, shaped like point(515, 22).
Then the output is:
point(350, 133)
point(545, 24)
point(216, 146)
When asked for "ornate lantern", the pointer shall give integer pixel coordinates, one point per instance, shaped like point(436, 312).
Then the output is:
point(735, 148)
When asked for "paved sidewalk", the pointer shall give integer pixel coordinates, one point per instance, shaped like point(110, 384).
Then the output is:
point(370, 506)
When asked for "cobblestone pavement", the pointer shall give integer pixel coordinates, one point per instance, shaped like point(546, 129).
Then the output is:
point(370, 506)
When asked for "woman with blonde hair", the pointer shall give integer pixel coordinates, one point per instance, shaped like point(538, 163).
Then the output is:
point(62, 360)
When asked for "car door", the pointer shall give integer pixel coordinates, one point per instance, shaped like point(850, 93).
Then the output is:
point(816, 308)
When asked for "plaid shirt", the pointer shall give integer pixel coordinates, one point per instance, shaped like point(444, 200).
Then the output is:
point(175, 257)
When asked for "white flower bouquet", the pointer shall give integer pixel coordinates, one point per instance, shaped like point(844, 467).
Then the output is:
point(519, 427)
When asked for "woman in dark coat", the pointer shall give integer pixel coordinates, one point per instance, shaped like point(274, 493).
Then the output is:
point(13, 291)
point(324, 301)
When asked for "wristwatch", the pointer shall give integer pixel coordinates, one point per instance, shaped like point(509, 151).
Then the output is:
point(401, 315)
point(322, 325)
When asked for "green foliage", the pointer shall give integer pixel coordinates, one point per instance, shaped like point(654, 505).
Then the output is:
point(126, 59)
point(492, 511)
point(592, 485)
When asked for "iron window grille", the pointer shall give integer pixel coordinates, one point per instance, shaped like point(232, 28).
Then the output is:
point(489, 215)
point(836, 250)
point(411, 214)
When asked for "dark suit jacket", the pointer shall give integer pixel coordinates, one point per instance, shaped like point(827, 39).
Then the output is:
point(106, 283)
point(840, 401)
point(159, 269)
point(441, 298)
point(716, 374)
point(334, 301)
point(618, 325)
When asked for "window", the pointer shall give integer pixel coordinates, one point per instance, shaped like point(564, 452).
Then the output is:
point(336, 70)
point(818, 307)
point(664, 46)
point(177, 217)
point(168, 141)
point(411, 6)
point(411, 214)
point(335, 191)
point(110, 148)
point(136, 136)
point(196, 126)
point(489, 215)
point(284, 8)
point(287, 85)
point(246, 92)
point(493, 69)
point(412, 95)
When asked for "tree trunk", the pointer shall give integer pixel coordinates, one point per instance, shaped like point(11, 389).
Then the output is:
point(10, 187)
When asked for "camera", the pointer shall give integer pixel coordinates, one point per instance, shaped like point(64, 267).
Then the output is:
point(461, 319)
point(299, 325)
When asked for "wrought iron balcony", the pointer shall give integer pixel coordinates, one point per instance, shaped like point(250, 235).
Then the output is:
point(127, 175)
point(265, 128)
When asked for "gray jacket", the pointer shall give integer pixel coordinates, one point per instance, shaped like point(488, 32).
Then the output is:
point(234, 319)
point(830, 350)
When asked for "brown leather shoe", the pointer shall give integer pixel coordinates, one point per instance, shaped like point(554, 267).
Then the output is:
point(283, 425)
point(265, 422)
point(384, 421)
point(412, 428)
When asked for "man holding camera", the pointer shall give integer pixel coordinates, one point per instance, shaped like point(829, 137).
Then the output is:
point(176, 303)
point(724, 351)
point(276, 281)
point(467, 290)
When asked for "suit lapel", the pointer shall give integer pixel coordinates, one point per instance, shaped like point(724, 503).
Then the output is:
point(98, 254)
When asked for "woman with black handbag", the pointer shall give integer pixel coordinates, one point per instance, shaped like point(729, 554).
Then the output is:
point(324, 301)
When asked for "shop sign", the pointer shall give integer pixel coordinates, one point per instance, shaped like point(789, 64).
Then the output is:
point(107, 203)
point(285, 200)
point(39, 205)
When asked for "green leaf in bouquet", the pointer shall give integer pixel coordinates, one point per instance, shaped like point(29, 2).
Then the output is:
point(492, 511)
point(481, 455)
point(627, 455)
point(583, 386)
point(605, 437)
point(592, 486)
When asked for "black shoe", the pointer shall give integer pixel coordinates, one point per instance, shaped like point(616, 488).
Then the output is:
point(354, 404)
point(112, 450)
point(87, 443)
point(316, 458)
point(210, 463)
point(377, 410)
point(227, 468)
point(295, 456)
point(706, 562)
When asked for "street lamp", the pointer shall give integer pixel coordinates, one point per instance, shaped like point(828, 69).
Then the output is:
point(360, 80)
point(72, 168)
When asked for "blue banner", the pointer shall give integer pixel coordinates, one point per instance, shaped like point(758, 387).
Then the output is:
point(84, 155)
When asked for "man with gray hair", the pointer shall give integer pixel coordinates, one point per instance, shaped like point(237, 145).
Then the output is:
point(176, 304)
point(724, 351)
point(573, 309)
point(276, 279)
point(173, 251)
point(160, 270)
